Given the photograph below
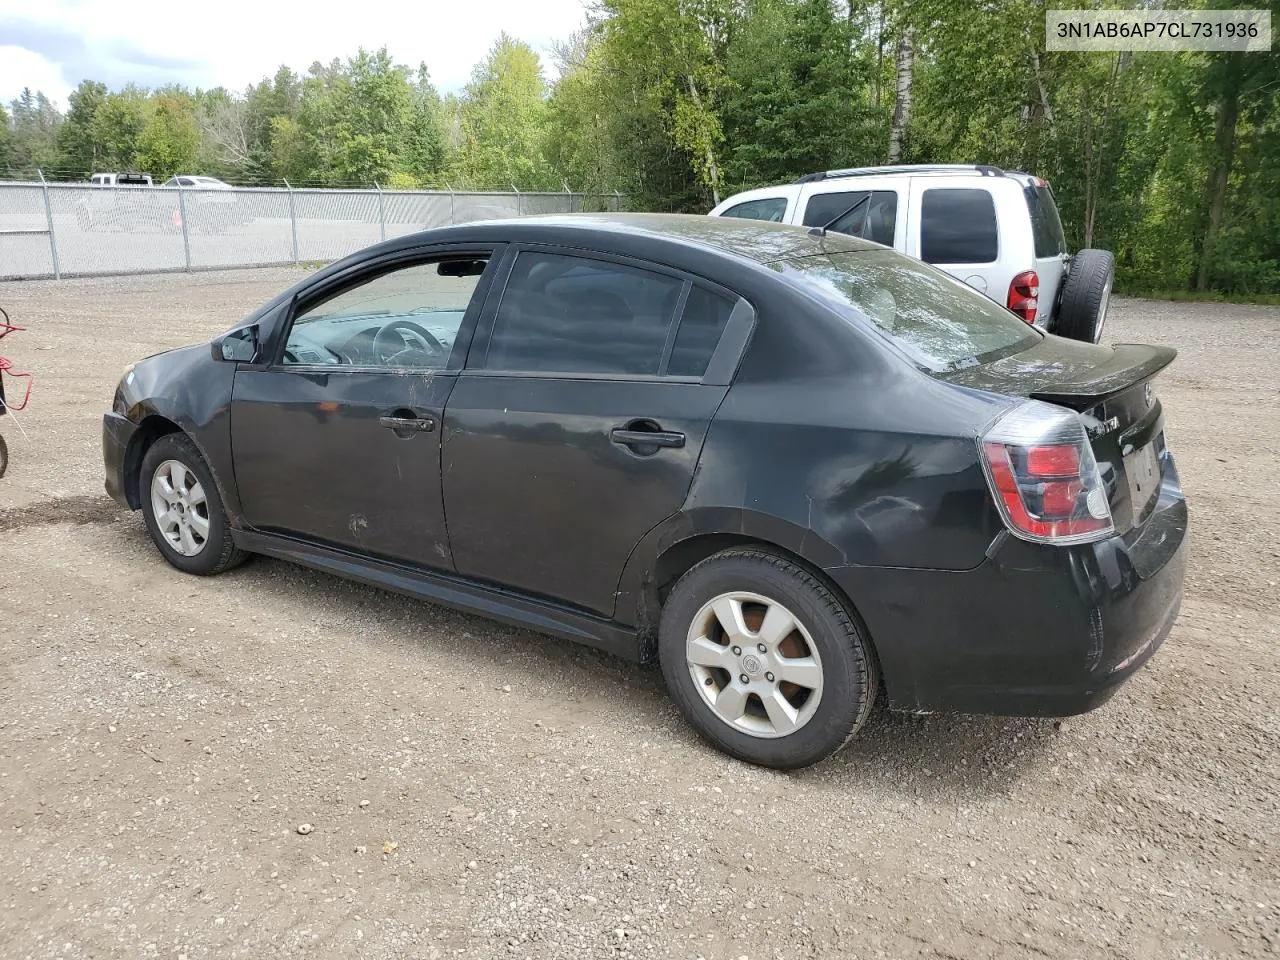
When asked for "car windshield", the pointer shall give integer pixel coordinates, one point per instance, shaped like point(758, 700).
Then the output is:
point(941, 323)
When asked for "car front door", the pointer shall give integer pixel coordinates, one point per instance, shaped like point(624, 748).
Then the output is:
point(577, 424)
point(336, 438)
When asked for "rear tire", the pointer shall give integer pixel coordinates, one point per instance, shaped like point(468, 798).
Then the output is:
point(1086, 296)
point(183, 509)
point(789, 683)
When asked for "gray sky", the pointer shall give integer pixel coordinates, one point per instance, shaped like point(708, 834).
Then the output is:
point(54, 44)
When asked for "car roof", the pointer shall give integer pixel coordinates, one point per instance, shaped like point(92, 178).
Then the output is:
point(755, 240)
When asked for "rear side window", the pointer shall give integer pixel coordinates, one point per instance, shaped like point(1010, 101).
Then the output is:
point(772, 209)
point(703, 321)
point(873, 220)
point(958, 226)
point(1046, 226)
point(563, 314)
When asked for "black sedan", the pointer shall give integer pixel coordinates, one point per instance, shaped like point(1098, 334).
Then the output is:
point(797, 468)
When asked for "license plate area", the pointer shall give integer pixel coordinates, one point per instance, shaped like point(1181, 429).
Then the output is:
point(1142, 468)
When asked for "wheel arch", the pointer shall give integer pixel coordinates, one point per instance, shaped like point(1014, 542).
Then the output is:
point(152, 428)
point(673, 548)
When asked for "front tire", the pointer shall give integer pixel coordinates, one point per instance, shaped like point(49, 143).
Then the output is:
point(183, 510)
point(764, 660)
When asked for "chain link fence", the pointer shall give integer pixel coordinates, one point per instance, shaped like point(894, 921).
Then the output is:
point(62, 230)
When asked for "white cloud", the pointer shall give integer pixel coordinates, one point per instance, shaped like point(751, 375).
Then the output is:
point(236, 42)
point(22, 68)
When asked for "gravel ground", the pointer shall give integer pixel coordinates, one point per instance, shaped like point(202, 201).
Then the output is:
point(471, 789)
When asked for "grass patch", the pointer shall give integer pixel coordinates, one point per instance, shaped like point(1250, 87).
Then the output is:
point(1191, 296)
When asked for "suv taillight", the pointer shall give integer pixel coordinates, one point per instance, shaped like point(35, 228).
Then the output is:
point(1044, 477)
point(1024, 295)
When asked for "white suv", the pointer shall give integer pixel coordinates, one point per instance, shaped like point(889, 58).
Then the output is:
point(997, 231)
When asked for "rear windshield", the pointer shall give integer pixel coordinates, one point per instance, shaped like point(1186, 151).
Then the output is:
point(1046, 226)
point(938, 321)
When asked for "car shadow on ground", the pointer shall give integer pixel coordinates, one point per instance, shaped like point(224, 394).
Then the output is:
point(957, 756)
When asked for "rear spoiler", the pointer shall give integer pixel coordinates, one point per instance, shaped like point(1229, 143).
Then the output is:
point(1130, 365)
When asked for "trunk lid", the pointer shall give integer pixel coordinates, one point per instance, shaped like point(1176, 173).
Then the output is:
point(1110, 387)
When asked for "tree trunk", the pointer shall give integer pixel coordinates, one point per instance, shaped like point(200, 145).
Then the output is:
point(902, 97)
point(1224, 144)
point(712, 170)
point(1044, 94)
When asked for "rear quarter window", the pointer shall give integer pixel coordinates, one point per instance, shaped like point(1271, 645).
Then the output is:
point(1046, 225)
point(958, 225)
point(772, 209)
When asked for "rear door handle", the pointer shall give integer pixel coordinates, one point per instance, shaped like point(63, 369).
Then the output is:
point(646, 438)
point(408, 424)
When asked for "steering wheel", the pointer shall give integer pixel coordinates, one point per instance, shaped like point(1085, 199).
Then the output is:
point(387, 348)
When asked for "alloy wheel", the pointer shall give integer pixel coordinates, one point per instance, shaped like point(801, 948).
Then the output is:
point(180, 508)
point(754, 664)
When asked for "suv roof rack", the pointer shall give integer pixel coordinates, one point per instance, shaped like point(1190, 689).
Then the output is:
point(979, 168)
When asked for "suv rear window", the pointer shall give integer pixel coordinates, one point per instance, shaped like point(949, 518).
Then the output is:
point(958, 225)
point(941, 323)
point(1046, 226)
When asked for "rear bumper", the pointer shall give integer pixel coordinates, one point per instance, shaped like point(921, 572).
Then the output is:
point(1034, 630)
point(117, 431)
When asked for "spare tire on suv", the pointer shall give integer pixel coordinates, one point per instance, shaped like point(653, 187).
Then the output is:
point(1086, 296)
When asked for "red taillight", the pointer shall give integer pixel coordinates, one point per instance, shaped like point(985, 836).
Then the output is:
point(1024, 295)
point(1044, 477)
point(1061, 460)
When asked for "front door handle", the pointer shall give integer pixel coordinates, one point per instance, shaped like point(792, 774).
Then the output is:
point(406, 425)
point(646, 438)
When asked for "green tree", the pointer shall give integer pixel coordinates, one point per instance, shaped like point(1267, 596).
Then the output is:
point(35, 123)
point(580, 145)
point(502, 119)
point(796, 101)
point(78, 148)
point(117, 128)
point(169, 139)
point(6, 140)
point(425, 149)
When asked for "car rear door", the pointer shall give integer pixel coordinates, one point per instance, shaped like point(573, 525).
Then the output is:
point(336, 436)
point(954, 227)
point(579, 419)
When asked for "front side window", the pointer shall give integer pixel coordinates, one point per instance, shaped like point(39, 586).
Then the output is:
point(566, 314)
point(854, 213)
point(406, 318)
point(958, 226)
point(772, 209)
point(938, 321)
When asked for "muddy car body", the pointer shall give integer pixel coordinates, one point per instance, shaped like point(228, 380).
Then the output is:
point(774, 458)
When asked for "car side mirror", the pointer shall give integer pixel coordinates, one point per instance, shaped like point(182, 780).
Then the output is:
point(238, 346)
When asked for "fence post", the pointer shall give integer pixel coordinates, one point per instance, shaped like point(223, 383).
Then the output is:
point(452, 215)
point(382, 213)
point(186, 227)
point(53, 236)
point(293, 221)
point(517, 193)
